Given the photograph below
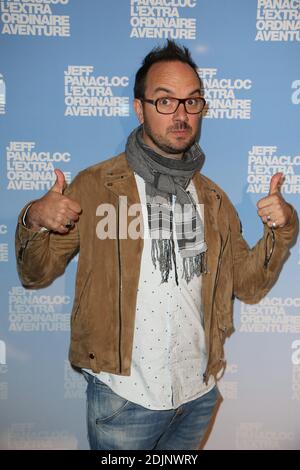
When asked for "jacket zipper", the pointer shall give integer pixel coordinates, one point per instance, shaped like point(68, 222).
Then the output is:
point(212, 304)
point(268, 255)
point(120, 289)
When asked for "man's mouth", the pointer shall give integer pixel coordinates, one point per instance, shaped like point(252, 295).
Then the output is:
point(181, 129)
point(181, 132)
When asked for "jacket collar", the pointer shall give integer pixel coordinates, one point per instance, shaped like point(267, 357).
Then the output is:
point(120, 180)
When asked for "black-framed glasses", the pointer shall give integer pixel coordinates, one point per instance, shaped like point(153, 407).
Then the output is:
point(169, 105)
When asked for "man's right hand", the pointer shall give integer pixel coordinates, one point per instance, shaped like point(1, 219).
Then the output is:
point(54, 210)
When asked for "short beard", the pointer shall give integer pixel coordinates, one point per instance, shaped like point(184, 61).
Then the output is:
point(167, 148)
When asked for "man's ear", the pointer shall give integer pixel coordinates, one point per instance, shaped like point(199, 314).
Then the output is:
point(138, 108)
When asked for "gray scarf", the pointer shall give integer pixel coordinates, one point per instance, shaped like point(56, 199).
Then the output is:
point(167, 179)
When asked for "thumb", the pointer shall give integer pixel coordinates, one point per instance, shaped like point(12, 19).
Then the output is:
point(60, 182)
point(276, 183)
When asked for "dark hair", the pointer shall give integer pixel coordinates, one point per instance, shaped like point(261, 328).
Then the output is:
point(170, 52)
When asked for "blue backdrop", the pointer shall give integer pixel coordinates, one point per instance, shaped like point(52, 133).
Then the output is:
point(66, 76)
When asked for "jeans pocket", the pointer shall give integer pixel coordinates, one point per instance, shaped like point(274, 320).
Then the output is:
point(86, 375)
point(104, 405)
point(112, 406)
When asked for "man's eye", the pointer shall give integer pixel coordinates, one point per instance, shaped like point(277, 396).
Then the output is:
point(191, 102)
point(164, 101)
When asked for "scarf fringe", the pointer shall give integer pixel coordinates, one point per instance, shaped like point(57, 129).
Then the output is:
point(194, 265)
point(162, 252)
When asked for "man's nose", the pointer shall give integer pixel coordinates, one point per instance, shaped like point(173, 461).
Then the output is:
point(181, 113)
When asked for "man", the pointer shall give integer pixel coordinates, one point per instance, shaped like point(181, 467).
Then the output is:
point(151, 313)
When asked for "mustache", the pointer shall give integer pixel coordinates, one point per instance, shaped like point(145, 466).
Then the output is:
point(180, 126)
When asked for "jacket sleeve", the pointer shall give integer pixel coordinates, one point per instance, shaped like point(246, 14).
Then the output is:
point(255, 270)
point(43, 256)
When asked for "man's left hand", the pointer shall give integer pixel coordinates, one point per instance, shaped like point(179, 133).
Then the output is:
point(273, 209)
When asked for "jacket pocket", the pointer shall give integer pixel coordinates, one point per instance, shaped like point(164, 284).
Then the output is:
point(224, 292)
point(80, 296)
point(225, 324)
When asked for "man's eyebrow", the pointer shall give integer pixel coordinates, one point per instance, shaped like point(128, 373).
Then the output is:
point(167, 90)
point(160, 88)
point(197, 90)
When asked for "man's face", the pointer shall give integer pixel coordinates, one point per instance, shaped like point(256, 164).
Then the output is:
point(169, 134)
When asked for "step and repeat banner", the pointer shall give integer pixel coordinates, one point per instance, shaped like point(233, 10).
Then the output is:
point(67, 71)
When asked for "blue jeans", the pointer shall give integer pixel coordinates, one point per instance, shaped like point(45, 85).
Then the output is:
point(115, 423)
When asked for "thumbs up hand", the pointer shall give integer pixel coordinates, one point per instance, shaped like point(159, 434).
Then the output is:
point(54, 211)
point(273, 209)
point(60, 183)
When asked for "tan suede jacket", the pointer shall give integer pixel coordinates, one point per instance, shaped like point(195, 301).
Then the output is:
point(103, 315)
